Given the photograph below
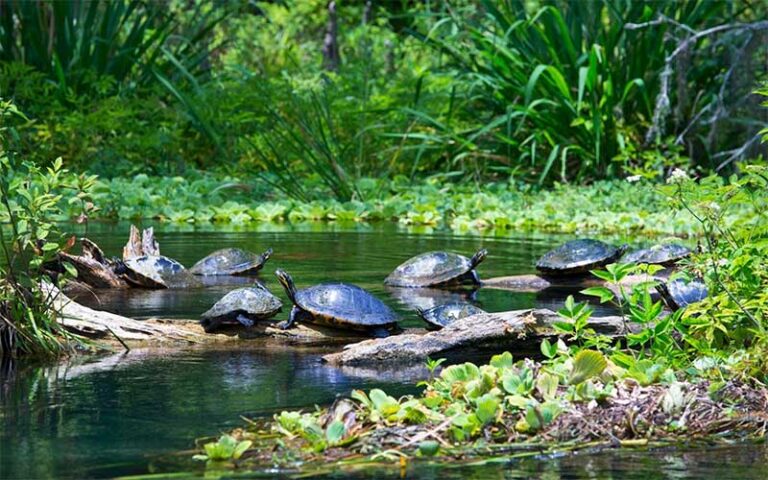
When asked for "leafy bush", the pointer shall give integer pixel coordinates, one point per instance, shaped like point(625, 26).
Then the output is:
point(31, 205)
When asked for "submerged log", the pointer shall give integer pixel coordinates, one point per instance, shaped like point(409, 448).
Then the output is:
point(519, 331)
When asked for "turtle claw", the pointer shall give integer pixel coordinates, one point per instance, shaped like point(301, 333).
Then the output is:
point(245, 321)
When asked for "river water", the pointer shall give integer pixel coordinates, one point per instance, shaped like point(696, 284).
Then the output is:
point(125, 414)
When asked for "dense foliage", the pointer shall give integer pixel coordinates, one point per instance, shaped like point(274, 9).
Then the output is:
point(538, 91)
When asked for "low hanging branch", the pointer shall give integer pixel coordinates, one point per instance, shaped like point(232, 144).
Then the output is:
point(663, 103)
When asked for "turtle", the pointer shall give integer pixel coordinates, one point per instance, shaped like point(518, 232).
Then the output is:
point(578, 256)
point(666, 254)
point(443, 315)
point(437, 269)
point(244, 305)
point(679, 293)
point(231, 261)
point(155, 271)
point(339, 305)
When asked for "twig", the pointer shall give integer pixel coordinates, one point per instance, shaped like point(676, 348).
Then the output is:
point(127, 348)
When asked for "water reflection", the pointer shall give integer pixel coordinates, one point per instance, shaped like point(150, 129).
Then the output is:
point(106, 417)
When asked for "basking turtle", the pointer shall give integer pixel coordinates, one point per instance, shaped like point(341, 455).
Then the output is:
point(244, 305)
point(231, 261)
point(578, 256)
point(437, 269)
point(667, 255)
point(339, 305)
point(155, 271)
point(443, 315)
point(679, 293)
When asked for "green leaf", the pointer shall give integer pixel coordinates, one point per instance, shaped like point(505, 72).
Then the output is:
point(487, 408)
point(604, 293)
point(548, 349)
point(335, 432)
point(503, 360)
point(429, 448)
point(587, 364)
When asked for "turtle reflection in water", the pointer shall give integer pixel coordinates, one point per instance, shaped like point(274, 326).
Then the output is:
point(577, 257)
point(244, 305)
point(231, 261)
point(443, 315)
point(338, 305)
point(437, 269)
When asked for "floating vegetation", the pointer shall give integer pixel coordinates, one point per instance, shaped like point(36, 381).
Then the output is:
point(504, 408)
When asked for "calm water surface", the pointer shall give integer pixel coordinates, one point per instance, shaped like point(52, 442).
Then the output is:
point(122, 414)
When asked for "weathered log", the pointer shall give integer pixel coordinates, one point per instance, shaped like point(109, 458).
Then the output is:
point(519, 331)
point(140, 245)
point(92, 267)
point(97, 324)
point(535, 283)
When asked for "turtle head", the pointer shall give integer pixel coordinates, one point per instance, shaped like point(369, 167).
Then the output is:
point(265, 256)
point(287, 282)
point(478, 257)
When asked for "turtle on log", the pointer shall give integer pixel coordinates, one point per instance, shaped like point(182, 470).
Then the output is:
point(338, 305)
point(231, 261)
point(437, 269)
point(244, 305)
point(578, 256)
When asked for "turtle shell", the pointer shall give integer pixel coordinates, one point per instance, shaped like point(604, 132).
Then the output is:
point(680, 293)
point(430, 269)
point(254, 302)
point(344, 305)
point(667, 254)
point(443, 315)
point(231, 261)
point(578, 256)
point(157, 271)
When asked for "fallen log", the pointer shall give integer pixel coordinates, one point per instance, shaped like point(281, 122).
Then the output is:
point(519, 332)
point(93, 268)
point(536, 283)
point(97, 324)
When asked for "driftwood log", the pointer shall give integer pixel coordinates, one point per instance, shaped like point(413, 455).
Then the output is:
point(535, 283)
point(519, 332)
point(140, 245)
point(93, 268)
point(97, 324)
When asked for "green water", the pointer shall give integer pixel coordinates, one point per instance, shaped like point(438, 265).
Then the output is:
point(125, 414)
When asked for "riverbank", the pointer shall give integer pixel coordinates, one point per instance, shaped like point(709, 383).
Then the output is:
point(605, 207)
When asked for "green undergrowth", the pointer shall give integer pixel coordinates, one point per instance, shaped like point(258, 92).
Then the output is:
point(201, 198)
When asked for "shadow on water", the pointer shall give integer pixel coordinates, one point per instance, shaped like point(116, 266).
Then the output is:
point(115, 415)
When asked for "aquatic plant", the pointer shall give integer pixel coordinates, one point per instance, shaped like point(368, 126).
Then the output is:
point(506, 406)
point(226, 448)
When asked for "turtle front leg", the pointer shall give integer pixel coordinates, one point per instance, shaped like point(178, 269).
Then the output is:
point(292, 317)
point(474, 277)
